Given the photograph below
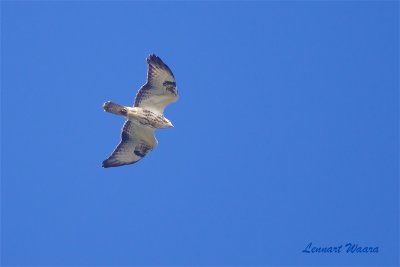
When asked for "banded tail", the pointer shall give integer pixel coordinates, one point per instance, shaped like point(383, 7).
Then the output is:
point(115, 108)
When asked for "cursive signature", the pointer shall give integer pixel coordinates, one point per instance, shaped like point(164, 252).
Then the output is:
point(347, 248)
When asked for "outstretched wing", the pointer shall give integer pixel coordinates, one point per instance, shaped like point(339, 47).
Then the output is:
point(135, 143)
point(160, 88)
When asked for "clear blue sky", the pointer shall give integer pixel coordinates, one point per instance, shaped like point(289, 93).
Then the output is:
point(286, 132)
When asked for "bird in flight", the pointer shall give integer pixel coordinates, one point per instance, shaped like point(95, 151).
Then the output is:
point(146, 115)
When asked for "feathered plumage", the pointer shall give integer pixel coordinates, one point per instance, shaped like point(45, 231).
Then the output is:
point(137, 136)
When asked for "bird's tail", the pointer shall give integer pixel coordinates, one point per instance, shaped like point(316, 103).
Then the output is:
point(115, 108)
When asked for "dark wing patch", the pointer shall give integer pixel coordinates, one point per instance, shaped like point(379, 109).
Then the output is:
point(142, 150)
point(121, 156)
point(131, 148)
point(168, 83)
point(160, 87)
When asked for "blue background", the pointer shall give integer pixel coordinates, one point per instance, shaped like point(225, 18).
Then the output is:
point(286, 132)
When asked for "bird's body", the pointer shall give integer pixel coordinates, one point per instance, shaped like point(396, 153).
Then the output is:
point(139, 116)
point(137, 137)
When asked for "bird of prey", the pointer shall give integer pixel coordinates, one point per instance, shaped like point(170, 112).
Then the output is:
point(146, 115)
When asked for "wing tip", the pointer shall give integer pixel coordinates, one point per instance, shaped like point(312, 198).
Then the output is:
point(152, 58)
point(106, 164)
point(109, 163)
